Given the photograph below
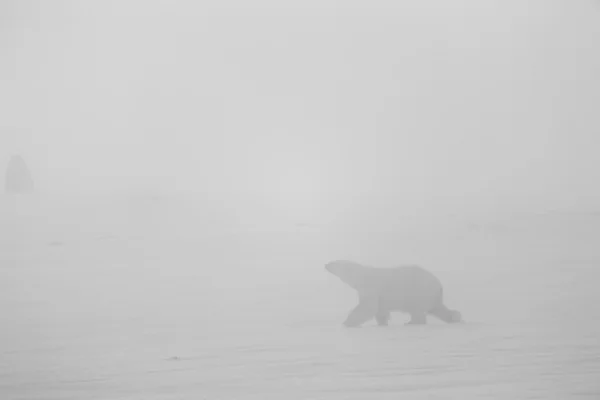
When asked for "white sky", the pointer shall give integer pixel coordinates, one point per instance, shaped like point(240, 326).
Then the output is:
point(306, 103)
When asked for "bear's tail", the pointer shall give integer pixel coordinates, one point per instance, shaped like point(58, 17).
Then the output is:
point(444, 313)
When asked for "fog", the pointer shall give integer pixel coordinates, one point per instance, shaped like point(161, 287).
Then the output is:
point(196, 164)
point(300, 104)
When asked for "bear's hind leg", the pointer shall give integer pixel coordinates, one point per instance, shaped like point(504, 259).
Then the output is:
point(382, 317)
point(447, 315)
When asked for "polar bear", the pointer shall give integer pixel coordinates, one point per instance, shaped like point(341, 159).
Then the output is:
point(410, 289)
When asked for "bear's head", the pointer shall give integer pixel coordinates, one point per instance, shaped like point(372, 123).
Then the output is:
point(350, 272)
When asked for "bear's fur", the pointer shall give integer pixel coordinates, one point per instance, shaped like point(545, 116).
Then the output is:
point(410, 289)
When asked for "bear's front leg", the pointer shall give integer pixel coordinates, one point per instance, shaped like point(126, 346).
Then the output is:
point(364, 311)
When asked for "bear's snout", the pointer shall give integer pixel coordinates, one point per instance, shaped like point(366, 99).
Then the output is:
point(330, 267)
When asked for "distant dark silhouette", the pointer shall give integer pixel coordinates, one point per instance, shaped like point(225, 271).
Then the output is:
point(18, 177)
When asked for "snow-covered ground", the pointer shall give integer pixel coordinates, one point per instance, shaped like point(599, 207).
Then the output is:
point(154, 297)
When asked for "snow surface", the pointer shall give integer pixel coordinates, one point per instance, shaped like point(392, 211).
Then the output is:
point(151, 298)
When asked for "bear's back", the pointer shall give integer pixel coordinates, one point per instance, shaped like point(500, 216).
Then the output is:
point(408, 274)
point(408, 286)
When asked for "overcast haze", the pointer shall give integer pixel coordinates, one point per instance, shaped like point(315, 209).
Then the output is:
point(489, 103)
